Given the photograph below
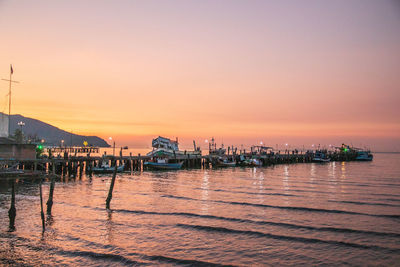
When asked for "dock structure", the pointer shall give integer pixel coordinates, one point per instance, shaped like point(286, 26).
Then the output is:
point(73, 150)
point(76, 166)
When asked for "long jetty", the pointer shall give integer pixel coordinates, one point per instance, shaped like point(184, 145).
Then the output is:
point(77, 165)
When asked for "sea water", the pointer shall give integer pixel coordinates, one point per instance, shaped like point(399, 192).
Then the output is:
point(338, 213)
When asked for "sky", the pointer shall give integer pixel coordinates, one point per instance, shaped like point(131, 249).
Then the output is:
point(245, 72)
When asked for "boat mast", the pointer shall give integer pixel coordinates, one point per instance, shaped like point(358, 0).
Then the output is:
point(9, 98)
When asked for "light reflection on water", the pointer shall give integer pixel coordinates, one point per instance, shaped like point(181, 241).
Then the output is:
point(204, 192)
point(334, 213)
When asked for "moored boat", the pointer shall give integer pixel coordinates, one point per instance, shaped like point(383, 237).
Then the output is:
point(164, 147)
point(162, 164)
point(320, 157)
point(251, 162)
point(106, 168)
point(213, 150)
point(364, 156)
point(221, 162)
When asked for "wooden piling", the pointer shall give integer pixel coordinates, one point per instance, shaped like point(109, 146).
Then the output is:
point(90, 168)
point(80, 169)
point(69, 168)
point(53, 167)
point(41, 207)
point(12, 212)
point(50, 200)
point(109, 197)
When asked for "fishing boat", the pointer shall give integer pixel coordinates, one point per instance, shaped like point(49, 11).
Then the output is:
point(320, 157)
point(224, 162)
point(162, 164)
point(364, 155)
point(165, 147)
point(213, 150)
point(106, 168)
point(251, 162)
point(261, 150)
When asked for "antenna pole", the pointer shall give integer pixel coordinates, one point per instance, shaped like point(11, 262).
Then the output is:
point(9, 98)
point(9, 105)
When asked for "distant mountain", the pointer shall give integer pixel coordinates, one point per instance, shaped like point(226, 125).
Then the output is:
point(53, 135)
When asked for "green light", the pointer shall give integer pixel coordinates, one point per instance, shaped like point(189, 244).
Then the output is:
point(346, 149)
point(40, 147)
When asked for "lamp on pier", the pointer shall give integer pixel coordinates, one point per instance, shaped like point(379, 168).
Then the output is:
point(110, 138)
point(21, 124)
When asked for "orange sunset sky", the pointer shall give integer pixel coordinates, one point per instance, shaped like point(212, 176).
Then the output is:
point(297, 72)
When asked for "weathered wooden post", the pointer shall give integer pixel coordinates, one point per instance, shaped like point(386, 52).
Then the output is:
point(12, 212)
point(69, 168)
point(50, 200)
point(130, 162)
point(80, 169)
point(75, 169)
point(53, 163)
point(41, 206)
point(90, 168)
point(139, 163)
point(109, 197)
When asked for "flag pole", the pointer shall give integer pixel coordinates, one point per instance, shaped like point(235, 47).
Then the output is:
point(9, 98)
point(9, 103)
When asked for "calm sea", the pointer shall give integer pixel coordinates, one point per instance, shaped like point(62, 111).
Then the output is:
point(340, 213)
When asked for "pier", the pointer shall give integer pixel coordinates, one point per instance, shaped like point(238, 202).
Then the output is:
point(74, 166)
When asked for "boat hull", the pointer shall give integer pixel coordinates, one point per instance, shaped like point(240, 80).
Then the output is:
point(364, 156)
point(103, 170)
point(364, 159)
point(226, 164)
point(160, 152)
point(163, 166)
point(251, 163)
point(318, 160)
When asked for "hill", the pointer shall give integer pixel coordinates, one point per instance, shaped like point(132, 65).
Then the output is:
point(51, 134)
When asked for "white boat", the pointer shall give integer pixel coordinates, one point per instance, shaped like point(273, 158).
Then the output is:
point(166, 147)
point(221, 162)
point(320, 157)
point(162, 164)
point(106, 168)
point(213, 150)
point(364, 156)
point(251, 162)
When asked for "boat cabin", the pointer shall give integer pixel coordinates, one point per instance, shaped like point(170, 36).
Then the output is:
point(261, 150)
point(165, 143)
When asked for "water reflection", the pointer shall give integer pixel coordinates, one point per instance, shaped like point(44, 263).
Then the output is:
point(286, 178)
point(332, 179)
point(213, 217)
point(343, 177)
point(332, 170)
point(204, 192)
point(312, 172)
point(109, 236)
point(261, 186)
point(343, 169)
point(286, 185)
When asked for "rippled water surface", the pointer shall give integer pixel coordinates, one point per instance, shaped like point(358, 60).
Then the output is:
point(315, 214)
